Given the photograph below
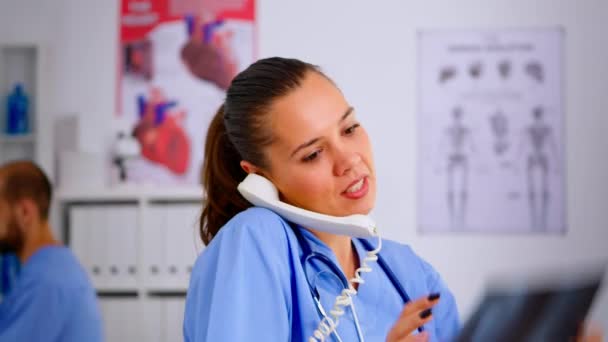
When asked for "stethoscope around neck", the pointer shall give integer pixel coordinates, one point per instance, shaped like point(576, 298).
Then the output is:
point(308, 255)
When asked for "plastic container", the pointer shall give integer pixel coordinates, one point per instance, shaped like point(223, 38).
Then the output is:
point(17, 111)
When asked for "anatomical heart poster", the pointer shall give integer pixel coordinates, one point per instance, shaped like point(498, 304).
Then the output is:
point(491, 150)
point(177, 58)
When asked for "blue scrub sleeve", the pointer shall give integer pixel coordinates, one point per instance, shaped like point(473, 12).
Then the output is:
point(240, 286)
point(447, 321)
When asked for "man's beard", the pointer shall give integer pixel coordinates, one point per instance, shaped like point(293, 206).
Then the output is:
point(13, 241)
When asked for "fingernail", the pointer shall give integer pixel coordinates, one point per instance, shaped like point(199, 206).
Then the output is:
point(434, 296)
point(426, 313)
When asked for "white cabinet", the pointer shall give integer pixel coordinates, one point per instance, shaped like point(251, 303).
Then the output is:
point(138, 247)
point(171, 244)
point(157, 319)
point(166, 312)
point(122, 319)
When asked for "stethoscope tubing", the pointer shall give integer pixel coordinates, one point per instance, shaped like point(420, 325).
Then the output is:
point(308, 255)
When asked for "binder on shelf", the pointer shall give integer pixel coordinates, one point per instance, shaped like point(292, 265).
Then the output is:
point(79, 236)
point(193, 212)
point(153, 235)
point(121, 248)
point(152, 321)
point(121, 319)
point(110, 312)
point(132, 321)
point(113, 241)
point(174, 318)
point(98, 235)
point(173, 232)
point(87, 241)
point(130, 246)
point(180, 243)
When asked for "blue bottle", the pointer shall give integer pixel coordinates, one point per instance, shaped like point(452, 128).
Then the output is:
point(17, 111)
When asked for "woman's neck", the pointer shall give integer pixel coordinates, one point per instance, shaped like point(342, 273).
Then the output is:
point(344, 250)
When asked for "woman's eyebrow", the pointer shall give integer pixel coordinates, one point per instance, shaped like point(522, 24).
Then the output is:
point(348, 112)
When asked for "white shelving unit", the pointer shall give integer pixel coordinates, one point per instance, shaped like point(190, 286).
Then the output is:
point(27, 63)
point(145, 193)
point(151, 302)
point(18, 139)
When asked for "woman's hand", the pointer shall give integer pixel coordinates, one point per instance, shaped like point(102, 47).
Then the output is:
point(414, 315)
point(592, 334)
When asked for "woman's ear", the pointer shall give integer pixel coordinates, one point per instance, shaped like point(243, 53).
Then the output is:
point(248, 167)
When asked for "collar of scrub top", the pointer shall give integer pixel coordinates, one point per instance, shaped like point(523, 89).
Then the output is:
point(308, 254)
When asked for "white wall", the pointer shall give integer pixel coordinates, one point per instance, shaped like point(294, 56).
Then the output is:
point(370, 51)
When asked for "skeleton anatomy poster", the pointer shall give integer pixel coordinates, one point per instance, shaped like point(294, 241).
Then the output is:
point(177, 58)
point(491, 153)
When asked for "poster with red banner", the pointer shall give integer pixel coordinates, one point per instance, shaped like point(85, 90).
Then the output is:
point(177, 58)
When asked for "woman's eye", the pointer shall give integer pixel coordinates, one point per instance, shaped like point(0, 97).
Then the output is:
point(312, 156)
point(351, 129)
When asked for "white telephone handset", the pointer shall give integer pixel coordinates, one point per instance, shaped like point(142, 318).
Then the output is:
point(261, 192)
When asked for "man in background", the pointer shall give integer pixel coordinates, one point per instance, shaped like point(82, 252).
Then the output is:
point(52, 298)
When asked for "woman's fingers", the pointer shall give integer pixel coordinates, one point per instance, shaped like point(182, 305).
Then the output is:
point(420, 304)
point(414, 315)
point(422, 337)
point(592, 334)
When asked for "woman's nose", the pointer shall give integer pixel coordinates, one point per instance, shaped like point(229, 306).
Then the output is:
point(346, 160)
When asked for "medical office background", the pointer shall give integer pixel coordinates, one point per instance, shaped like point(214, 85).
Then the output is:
point(370, 49)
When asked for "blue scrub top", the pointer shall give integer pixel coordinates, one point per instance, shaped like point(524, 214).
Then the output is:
point(9, 269)
point(249, 284)
point(52, 301)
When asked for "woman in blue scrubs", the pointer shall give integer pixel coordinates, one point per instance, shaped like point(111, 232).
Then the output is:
point(287, 121)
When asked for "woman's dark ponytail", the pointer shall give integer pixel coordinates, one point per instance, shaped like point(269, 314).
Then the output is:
point(240, 131)
point(221, 175)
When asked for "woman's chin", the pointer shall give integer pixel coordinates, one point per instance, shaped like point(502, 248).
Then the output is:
point(361, 209)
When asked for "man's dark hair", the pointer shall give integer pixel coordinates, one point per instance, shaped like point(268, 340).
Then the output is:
point(26, 180)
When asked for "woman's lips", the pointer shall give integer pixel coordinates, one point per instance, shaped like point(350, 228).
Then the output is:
point(357, 189)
